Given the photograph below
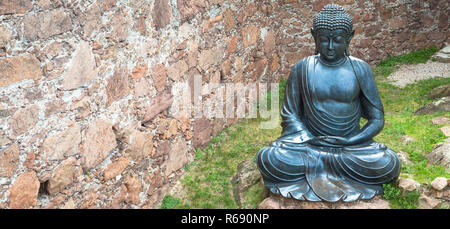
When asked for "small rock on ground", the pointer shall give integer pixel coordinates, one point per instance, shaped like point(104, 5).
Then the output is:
point(438, 105)
point(445, 130)
point(440, 155)
point(408, 184)
point(426, 202)
point(440, 120)
point(407, 139)
point(443, 55)
point(404, 158)
point(439, 183)
point(440, 91)
point(247, 175)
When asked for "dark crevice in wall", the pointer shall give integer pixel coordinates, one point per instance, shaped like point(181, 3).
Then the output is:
point(43, 189)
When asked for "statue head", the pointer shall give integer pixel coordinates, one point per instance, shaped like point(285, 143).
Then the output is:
point(332, 31)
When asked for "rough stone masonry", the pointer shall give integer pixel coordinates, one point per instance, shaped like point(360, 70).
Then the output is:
point(86, 102)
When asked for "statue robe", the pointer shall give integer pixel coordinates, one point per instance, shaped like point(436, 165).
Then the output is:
point(295, 169)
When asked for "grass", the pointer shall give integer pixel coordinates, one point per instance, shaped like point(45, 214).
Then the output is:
point(399, 200)
point(400, 104)
point(169, 202)
point(207, 182)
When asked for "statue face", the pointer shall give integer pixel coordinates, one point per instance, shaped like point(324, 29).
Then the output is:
point(332, 44)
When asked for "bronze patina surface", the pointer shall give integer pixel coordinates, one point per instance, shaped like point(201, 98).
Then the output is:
point(323, 154)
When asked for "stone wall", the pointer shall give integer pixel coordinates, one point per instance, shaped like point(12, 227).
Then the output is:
point(87, 112)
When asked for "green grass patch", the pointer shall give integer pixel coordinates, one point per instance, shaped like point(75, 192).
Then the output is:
point(208, 183)
point(398, 200)
point(170, 202)
point(208, 180)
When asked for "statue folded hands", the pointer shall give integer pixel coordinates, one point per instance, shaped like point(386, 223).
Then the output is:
point(323, 154)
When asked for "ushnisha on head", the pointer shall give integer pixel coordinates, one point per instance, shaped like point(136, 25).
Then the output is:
point(332, 31)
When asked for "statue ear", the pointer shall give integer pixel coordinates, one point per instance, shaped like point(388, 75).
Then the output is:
point(314, 33)
point(351, 36)
point(347, 52)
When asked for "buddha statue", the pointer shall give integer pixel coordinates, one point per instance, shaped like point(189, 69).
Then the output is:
point(323, 154)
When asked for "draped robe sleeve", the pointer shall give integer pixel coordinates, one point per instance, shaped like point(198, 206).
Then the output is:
point(367, 84)
point(291, 113)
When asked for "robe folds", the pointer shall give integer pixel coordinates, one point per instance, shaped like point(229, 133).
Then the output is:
point(295, 169)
